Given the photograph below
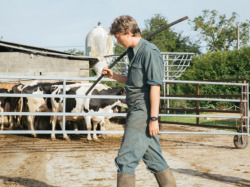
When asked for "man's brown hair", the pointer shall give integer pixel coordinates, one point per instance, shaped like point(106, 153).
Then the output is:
point(122, 23)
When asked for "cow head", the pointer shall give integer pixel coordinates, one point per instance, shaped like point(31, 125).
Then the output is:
point(55, 90)
point(58, 89)
point(121, 92)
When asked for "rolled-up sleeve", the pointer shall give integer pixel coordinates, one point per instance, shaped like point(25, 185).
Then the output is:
point(154, 67)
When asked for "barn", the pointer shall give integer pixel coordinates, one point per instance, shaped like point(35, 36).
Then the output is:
point(23, 60)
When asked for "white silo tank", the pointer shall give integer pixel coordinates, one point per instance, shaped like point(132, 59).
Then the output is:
point(98, 44)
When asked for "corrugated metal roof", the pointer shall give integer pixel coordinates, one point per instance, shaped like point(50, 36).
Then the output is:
point(15, 47)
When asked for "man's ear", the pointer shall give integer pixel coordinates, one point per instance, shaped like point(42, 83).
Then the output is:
point(129, 33)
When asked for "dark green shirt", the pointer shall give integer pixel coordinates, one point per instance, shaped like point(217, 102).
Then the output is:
point(146, 68)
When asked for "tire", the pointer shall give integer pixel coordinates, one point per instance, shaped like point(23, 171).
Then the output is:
point(238, 141)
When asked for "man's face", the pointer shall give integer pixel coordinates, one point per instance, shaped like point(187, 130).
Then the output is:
point(123, 39)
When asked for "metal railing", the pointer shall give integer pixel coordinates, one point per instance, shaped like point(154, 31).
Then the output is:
point(64, 113)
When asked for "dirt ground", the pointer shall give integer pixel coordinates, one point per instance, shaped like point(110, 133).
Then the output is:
point(196, 160)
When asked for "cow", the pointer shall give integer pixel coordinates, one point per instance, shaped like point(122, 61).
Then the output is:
point(76, 105)
point(15, 104)
point(105, 106)
point(35, 104)
point(86, 105)
point(4, 105)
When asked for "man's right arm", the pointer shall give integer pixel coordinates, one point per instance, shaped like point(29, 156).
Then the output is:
point(110, 74)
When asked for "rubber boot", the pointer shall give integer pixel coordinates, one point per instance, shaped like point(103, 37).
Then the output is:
point(165, 178)
point(125, 180)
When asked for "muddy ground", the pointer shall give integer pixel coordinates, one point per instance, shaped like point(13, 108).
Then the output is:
point(196, 160)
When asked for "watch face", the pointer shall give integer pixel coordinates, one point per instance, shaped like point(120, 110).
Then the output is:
point(154, 118)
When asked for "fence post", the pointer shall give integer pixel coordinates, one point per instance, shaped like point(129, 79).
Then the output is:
point(64, 105)
point(245, 98)
point(159, 118)
point(167, 84)
point(197, 105)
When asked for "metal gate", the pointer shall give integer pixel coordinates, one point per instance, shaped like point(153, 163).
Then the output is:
point(64, 79)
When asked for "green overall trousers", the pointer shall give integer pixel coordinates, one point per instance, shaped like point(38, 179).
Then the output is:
point(146, 68)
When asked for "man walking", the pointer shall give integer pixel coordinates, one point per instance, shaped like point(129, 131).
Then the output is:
point(143, 82)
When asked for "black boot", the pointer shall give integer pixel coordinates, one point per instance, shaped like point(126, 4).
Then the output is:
point(125, 180)
point(165, 178)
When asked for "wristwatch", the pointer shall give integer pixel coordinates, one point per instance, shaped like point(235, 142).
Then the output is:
point(154, 118)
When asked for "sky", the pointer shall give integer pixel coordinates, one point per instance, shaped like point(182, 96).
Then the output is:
point(64, 24)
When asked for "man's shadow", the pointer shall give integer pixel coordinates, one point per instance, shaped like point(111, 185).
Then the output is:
point(215, 177)
point(25, 182)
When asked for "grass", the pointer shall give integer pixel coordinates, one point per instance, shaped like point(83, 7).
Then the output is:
point(211, 121)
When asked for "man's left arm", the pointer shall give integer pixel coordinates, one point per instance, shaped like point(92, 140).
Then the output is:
point(154, 69)
point(154, 101)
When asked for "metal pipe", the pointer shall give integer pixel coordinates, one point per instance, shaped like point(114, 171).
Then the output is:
point(64, 104)
point(203, 82)
point(167, 84)
point(108, 114)
point(163, 53)
point(107, 79)
point(179, 60)
point(164, 87)
point(113, 97)
point(115, 132)
point(176, 53)
point(52, 78)
point(247, 109)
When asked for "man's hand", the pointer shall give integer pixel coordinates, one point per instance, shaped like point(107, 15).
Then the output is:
point(108, 72)
point(153, 128)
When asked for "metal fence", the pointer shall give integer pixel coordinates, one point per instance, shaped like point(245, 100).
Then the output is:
point(64, 113)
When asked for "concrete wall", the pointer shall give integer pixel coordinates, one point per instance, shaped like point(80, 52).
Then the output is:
point(16, 63)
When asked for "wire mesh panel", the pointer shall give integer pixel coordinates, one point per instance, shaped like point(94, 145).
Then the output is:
point(120, 67)
point(174, 64)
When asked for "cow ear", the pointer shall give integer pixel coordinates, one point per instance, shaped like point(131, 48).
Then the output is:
point(122, 91)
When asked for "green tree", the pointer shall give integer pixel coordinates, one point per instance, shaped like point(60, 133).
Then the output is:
point(75, 51)
point(217, 65)
point(168, 40)
point(219, 32)
point(119, 48)
point(1, 38)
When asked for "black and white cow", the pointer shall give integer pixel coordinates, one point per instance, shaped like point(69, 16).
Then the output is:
point(86, 105)
point(105, 106)
point(15, 104)
point(4, 105)
point(35, 104)
point(10, 104)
